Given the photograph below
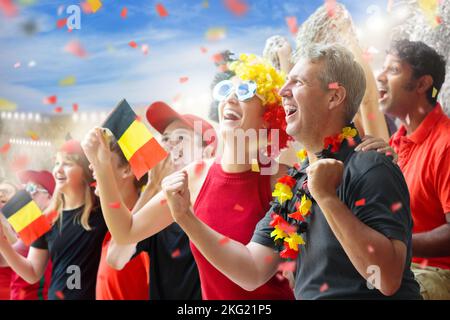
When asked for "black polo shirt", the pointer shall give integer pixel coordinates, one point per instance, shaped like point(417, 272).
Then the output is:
point(71, 246)
point(173, 271)
point(323, 269)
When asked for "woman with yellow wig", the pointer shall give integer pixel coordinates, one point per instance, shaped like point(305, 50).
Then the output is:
point(229, 194)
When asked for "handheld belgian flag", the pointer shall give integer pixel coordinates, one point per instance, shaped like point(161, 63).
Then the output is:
point(137, 143)
point(25, 217)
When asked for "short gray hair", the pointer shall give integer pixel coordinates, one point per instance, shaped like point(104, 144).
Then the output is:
point(339, 66)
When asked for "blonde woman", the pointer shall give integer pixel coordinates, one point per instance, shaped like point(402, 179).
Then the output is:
point(74, 241)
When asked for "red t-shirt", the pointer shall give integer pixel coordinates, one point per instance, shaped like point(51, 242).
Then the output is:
point(5, 280)
point(22, 290)
point(424, 158)
point(130, 283)
point(232, 204)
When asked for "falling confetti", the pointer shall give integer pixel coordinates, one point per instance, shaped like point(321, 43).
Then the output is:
point(351, 142)
point(93, 184)
point(59, 295)
point(176, 253)
point(215, 34)
point(292, 24)
point(8, 8)
point(330, 5)
point(287, 266)
point(145, 49)
point(50, 100)
point(33, 135)
point(268, 259)
point(183, 79)
point(237, 207)
point(396, 206)
point(5, 148)
point(74, 47)
point(133, 44)
point(333, 85)
point(423, 264)
point(370, 249)
point(255, 165)
point(435, 92)
point(203, 50)
point(199, 166)
point(360, 202)
point(161, 10)
point(6, 105)
point(114, 205)
point(95, 5)
point(124, 12)
point(67, 81)
point(61, 23)
point(224, 240)
point(75, 107)
point(324, 287)
point(138, 118)
point(58, 109)
point(86, 7)
point(163, 202)
point(237, 7)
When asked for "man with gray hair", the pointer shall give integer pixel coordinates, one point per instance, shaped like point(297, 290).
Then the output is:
point(343, 216)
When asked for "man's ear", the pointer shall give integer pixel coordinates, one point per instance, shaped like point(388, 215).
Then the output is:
point(424, 83)
point(337, 97)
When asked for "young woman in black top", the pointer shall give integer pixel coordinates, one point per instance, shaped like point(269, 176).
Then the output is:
point(74, 241)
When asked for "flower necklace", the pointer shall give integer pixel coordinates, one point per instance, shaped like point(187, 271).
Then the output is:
point(289, 233)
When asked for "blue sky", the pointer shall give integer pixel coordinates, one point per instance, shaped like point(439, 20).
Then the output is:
point(113, 70)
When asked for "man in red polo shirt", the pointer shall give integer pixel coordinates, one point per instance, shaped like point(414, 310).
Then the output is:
point(408, 85)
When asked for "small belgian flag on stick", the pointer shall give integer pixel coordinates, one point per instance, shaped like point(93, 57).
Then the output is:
point(137, 143)
point(25, 217)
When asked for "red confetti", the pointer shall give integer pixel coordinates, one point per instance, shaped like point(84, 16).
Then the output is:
point(74, 47)
point(438, 20)
point(224, 240)
point(93, 184)
point(199, 167)
point(183, 79)
point(268, 259)
point(163, 202)
point(176, 253)
point(145, 49)
point(333, 85)
point(59, 295)
point(5, 148)
point(124, 12)
point(324, 287)
point(237, 7)
point(371, 116)
point(423, 264)
point(297, 166)
point(161, 10)
point(19, 163)
point(61, 23)
point(8, 8)
point(388, 154)
point(330, 5)
point(114, 205)
point(237, 207)
point(217, 58)
point(50, 100)
point(351, 142)
point(132, 44)
point(58, 109)
point(287, 266)
point(138, 118)
point(203, 50)
point(370, 249)
point(86, 7)
point(75, 107)
point(396, 206)
point(292, 24)
point(360, 202)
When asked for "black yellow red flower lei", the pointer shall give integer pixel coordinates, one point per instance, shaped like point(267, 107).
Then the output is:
point(289, 232)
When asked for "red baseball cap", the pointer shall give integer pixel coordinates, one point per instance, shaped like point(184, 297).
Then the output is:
point(44, 178)
point(160, 115)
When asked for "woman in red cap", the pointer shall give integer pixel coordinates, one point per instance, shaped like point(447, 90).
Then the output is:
point(74, 242)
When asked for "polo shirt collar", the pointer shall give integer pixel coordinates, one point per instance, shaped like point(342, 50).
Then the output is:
point(427, 125)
